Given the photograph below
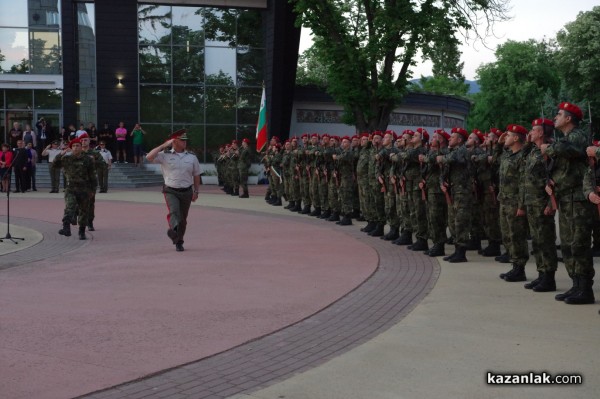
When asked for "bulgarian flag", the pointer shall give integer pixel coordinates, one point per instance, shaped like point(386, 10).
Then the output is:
point(261, 126)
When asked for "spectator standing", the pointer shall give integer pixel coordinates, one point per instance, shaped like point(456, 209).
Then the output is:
point(51, 152)
point(32, 166)
point(80, 131)
point(43, 134)
point(93, 134)
point(6, 157)
point(138, 140)
point(121, 135)
point(29, 136)
point(20, 162)
point(108, 137)
point(104, 169)
point(15, 134)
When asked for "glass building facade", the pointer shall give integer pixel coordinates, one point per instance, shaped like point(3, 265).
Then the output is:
point(200, 68)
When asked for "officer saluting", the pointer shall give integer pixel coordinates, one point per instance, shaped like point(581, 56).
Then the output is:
point(181, 171)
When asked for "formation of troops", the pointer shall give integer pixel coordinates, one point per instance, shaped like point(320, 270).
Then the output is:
point(233, 163)
point(414, 188)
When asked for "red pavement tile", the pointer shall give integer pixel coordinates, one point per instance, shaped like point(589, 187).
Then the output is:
point(127, 305)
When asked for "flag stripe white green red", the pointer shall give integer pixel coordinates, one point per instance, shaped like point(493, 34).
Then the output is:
point(261, 126)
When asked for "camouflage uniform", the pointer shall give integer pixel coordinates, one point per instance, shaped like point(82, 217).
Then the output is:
point(345, 178)
point(385, 172)
point(81, 184)
point(437, 209)
point(333, 184)
point(413, 175)
point(99, 163)
point(362, 176)
point(243, 165)
point(377, 196)
point(487, 178)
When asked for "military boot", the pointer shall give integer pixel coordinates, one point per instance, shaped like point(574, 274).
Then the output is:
point(535, 282)
point(245, 194)
point(511, 271)
point(405, 238)
point(91, 226)
point(360, 217)
point(316, 212)
point(450, 257)
point(461, 255)
point(370, 226)
point(325, 215)
point(584, 295)
point(377, 231)
point(493, 249)
point(297, 208)
point(504, 258)
point(436, 250)
point(306, 210)
point(66, 230)
point(356, 214)
point(277, 202)
point(474, 244)
point(334, 217)
point(267, 195)
point(346, 220)
point(290, 205)
point(574, 289)
point(518, 274)
point(82, 233)
point(393, 234)
point(420, 245)
point(547, 283)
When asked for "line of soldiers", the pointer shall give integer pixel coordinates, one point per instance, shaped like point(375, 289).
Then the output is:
point(502, 186)
point(233, 164)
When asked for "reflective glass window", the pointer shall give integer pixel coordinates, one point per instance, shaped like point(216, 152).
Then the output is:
point(216, 136)
point(250, 29)
point(155, 104)
point(45, 52)
point(1, 99)
point(156, 134)
point(188, 65)
point(220, 66)
point(13, 13)
point(14, 46)
point(188, 26)
point(220, 105)
point(248, 132)
point(196, 142)
point(155, 64)
point(250, 67)
point(248, 104)
point(220, 26)
point(188, 104)
point(154, 24)
point(19, 99)
point(47, 99)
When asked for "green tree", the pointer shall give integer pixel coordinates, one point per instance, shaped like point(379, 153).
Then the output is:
point(514, 89)
point(578, 58)
point(369, 46)
point(311, 71)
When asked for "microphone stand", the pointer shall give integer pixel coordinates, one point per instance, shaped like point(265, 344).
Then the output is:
point(6, 183)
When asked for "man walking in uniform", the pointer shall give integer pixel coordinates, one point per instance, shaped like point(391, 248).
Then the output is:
point(181, 171)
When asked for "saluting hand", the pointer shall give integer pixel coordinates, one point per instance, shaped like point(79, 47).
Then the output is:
point(591, 151)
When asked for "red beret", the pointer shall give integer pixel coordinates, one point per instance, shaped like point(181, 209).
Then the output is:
point(479, 135)
point(424, 133)
point(409, 132)
point(275, 138)
point(517, 129)
point(542, 122)
point(461, 131)
point(596, 143)
point(443, 133)
point(234, 142)
point(496, 131)
point(304, 135)
point(572, 108)
point(294, 138)
point(179, 134)
point(364, 135)
point(245, 141)
point(378, 133)
point(83, 136)
point(314, 135)
point(346, 138)
point(326, 136)
point(74, 141)
point(356, 136)
point(391, 132)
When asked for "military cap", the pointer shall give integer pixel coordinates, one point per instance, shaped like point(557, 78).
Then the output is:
point(245, 140)
point(346, 138)
point(314, 135)
point(408, 132)
point(517, 129)
point(495, 131)
point(461, 131)
point(180, 134)
point(74, 141)
point(83, 136)
point(572, 108)
point(378, 133)
point(542, 122)
point(479, 135)
point(356, 136)
point(443, 133)
point(424, 133)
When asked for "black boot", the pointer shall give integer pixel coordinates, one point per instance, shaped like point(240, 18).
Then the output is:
point(245, 194)
point(493, 249)
point(452, 256)
point(346, 220)
point(393, 234)
point(82, 233)
point(596, 251)
point(91, 226)
point(518, 274)
point(66, 230)
point(504, 258)
point(547, 283)
point(334, 217)
point(306, 210)
point(377, 231)
point(405, 238)
point(460, 256)
point(584, 295)
point(420, 245)
point(267, 195)
point(355, 214)
point(450, 241)
point(316, 212)
point(535, 282)
point(290, 205)
point(370, 226)
point(574, 289)
point(277, 202)
point(360, 218)
point(436, 250)
point(297, 208)
point(474, 244)
point(325, 215)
